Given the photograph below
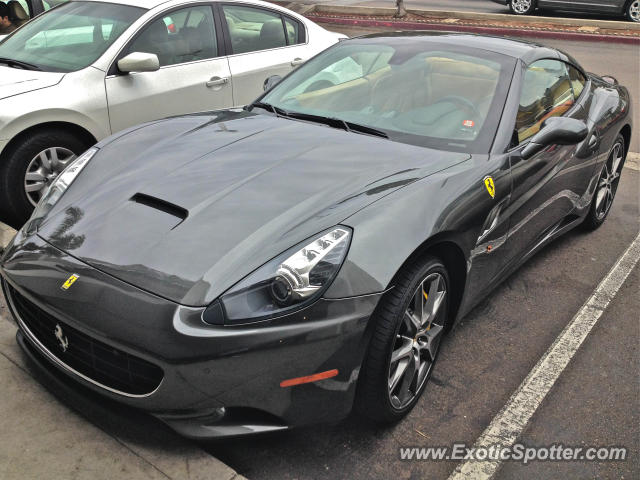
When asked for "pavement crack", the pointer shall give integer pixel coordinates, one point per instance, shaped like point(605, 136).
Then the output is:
point(138, 455)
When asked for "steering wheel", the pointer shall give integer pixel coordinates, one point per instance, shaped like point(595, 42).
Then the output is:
point(462, 102)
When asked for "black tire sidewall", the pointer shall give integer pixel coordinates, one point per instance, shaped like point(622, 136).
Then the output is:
point(16, 206)
point(381, 408)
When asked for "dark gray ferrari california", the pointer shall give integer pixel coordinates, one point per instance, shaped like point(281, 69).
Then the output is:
point(254, 269)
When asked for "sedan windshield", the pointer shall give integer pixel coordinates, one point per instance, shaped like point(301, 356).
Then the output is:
point(419, 92)
point(67, 38)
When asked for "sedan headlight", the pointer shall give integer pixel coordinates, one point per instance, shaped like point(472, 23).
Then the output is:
point(57, 189)
point(288, 282)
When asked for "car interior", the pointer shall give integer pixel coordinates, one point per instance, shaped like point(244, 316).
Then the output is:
point(18, 12)
point(186, 36)
point(254, 29)
point(414, 97)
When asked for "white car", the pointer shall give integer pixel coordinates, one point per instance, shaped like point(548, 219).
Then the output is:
point(86, 69)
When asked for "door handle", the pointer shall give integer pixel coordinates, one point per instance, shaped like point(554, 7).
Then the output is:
point(217, 81)
point(297, 61)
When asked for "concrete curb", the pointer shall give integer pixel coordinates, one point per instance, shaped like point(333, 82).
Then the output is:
point(491, 24)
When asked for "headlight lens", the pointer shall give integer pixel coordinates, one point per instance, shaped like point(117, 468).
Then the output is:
point(288, 282)
point(57, 189)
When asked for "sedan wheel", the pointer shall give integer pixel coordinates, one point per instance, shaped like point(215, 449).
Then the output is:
point(43, 170)
point(417, 342)
point(522, 7)
point(607, 186)
point(408, 327)
point(633, 11)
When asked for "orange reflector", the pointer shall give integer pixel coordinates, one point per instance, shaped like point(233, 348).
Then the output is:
point(309, 378)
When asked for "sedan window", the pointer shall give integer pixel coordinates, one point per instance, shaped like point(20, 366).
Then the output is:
point(68, 38)
point(253, 29)
point(547, 92)
point(186, 35)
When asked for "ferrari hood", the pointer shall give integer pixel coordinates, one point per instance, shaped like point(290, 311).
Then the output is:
point(186, 207)
point(14, 81)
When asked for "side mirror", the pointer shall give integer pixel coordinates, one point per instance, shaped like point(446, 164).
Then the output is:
point(556, 131)
point(270, 82)
point(139, 62)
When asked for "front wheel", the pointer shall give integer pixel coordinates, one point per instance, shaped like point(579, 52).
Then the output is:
point(29, 166)
point(408, 327)
point(522, 7)
point(607, 186)
point(633, 10)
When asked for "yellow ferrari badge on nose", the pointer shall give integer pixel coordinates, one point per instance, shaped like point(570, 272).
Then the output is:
point(70, 281)
point(491, 187)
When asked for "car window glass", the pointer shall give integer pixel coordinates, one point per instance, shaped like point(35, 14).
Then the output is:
point(294, 34)
point(181, 36)
point(19, 11)
point(577, 81)
point(546, 93)
point(49, 4)
point(70, 37)
point(431, 96)
point(253, 29)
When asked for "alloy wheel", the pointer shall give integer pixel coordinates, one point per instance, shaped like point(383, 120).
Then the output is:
point(521, 6)
point(634, 11)
point(608, 182)
point(417, 341)
point(43, 169)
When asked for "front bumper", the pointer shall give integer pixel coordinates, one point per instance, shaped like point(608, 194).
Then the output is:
point(216, 381)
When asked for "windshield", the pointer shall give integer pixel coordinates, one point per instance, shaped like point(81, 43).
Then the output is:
point(418, 92)
point(69, 37)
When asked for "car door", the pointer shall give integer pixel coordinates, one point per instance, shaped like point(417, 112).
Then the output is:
point(261, 43)
point(193, 75)
point(595, 6)
point(549, 185)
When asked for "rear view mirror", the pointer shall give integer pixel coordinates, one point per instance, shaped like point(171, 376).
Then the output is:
point(556, 131)
point(139, 62)
point(270, 82)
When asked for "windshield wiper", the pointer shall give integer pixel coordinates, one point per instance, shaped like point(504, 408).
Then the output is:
point(18, 63)
point(279, 112)
point(338, 123)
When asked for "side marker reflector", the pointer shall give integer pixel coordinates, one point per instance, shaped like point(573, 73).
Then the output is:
point(309, 378)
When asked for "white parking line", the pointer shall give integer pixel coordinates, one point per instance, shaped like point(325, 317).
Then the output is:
point(509, 423)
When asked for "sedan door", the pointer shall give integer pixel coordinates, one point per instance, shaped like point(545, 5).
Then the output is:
point(192, 76)
point(594, 6)
point(548, 186)
point(261, 43)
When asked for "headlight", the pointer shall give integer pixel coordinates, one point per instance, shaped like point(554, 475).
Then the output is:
point(57, 189)
point(288, 282)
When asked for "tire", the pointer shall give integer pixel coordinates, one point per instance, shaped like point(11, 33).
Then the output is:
point(522, 7)
point(633, 11)
point(24, 154)
point(375, 398)
point(607, 186)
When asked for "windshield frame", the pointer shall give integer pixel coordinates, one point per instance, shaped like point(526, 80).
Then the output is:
point(69, 4)
point(485, 138)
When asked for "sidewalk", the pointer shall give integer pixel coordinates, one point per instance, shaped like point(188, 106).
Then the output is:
point(42, 437)
point(469, 22)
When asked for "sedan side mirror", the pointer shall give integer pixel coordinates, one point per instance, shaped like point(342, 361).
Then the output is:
point(270, 82)
point(555, 131)
point(139, 62)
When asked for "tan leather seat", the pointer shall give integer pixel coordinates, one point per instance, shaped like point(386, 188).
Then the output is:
point(17, 14)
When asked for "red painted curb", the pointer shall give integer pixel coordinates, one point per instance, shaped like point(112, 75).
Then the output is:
point(400, 25)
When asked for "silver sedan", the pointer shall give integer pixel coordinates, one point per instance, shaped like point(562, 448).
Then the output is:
point(87, 69)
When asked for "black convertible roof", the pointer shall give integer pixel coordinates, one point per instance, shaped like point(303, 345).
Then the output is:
point(525, 50)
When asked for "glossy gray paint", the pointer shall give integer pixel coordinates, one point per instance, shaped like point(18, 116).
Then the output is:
point(253, 185)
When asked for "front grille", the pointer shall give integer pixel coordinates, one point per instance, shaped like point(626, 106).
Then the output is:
point(95, 360)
